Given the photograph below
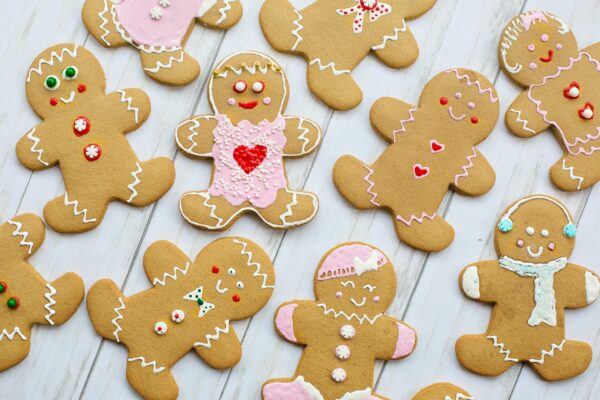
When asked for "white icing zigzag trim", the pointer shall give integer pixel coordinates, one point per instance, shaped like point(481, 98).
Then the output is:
point(572, 174)
point(23, 234)
point(213, 337)
point(160, 65)
point(54, 55)
point(33, 147)
point(118, 317)
point(466, 167)
point(11, 336)
point(223, 11)
point(523, 122)
point(413, 218)
point(393, 37)
point(135, 182)
point(350, 317)
point(296, 32)
point(331, 66)
point(130, 107)
point(104, 22)
point(251, 263)
point(302, 136)
point(76, 212)
point(173, 276)
point(145, 364)
point(193, 129)
point(51, 292)
point(288, 213)
point(501, 349)
point(549, 353)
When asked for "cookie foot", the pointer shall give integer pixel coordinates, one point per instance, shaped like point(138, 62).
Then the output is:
point(333, 85)
point(150, 378)
point(293, 209)
point(208, 212)
point(276, 390)
point(353, 180)
point(427, 232)
point(150, 181)
point(106, 305)
point(14, 346)
point(564, 361)
point(174, 67)
point(566, 176)
point(71, 214)
point(478, 354)
point(276, 18)
point(98, 19)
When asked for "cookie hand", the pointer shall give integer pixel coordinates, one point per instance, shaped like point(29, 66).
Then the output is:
point(223, 15)
point(476, 176)
point(523, 119)
point(194, 136)
point(35, 149)
point(303, 136)
point(134, 107)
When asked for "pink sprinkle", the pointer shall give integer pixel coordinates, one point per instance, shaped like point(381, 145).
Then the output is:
point(458, 95)
point(559, 46)
point(544, 38)
point(267, 100)
point(520, 243)
point(471, 105)
point(551, 246)
point(376, 299)
point(531, 47)
point(231, 101)
point(338, 295)
point(532, 66)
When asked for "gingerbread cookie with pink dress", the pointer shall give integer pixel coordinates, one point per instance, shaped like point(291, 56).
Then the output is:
point(248, 139)
point(539, 52)
point(159, 30)
point(344, 330)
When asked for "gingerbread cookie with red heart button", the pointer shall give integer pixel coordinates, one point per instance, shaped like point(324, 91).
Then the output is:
point(345, 330)
point(432, 148)
point(248, 139)
point(442, 391)
point(27, 298)
point(83, 130)
point(159, 30)
point(539, 52)
point(190, 307)
point(334, 36)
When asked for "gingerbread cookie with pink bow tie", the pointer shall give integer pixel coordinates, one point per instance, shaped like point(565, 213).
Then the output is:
point(539, 52)
point(159, 30)
point(432, 149)
point(248, 139)
point(334, 36)
point(344, 330)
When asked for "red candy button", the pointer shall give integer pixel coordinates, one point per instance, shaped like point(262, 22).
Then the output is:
point(81, 126)
point(236, 298)
point(215, 269)
point(92, 152)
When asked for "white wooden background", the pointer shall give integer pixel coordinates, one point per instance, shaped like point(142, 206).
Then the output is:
point(71, 361)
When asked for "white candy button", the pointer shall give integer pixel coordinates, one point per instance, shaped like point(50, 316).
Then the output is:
point(342, 352)
point(338, 375)
point(347, 331)
point(177, 316)
point(160, 328)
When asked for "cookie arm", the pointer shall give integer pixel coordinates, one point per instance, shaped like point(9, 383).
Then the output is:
point(414, 8)
point(391, 117)
point(478, 281)
point(523, 119)
point(164, 263)
point(35, 149)
point(21, 236)
point(194, 136)
point(223, 353)
point(476, 176)
point(133, 108)
point(395, 339)
point(292, 315)
point(303, 136)
point(578, 286)
point(397, 48)
point(222, 15)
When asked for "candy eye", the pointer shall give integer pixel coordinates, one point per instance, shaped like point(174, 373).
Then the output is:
point(70, 73)
point(240, 86)
point(531, 47)
point(471, 105)
point(52, 82)
point(544, 38)
point(258, 87)
point(231, 271)
point(239, 285)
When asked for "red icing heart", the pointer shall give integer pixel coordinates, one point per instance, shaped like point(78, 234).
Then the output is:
point(436, 146)
point(572, 91)
point(248, 158)
point(587, 112)
point(420, 171)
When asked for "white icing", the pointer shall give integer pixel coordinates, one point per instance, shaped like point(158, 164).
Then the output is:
point(33, 148)
point(51, 302)
point(136, 181)
point(572, 174)
point(519, 203)
point(145, 364)
point(338, 375)
point(254, 264)
point(523, 122)
point(80, 124)
point(164, 3)
point(536, 254)
point(223, 11)
point(359, 304)
point(156, 13)
point(219, 289)
point(173, 276)
point(331, 66)
point(77, 212)
point(545, 233)
point(92, 151)
point(69, 99)
point(347, 331)
point(550, 353)
point(315, 394)
point(337, 314)
point(530, 230)
point(371, 264)
point(296, 32)
point(394, 37)
point(22, 234)
point(342, 352)
point(213, 337)
point(592, 287)
point(177, 316)
point(11, 335)
point(196, 294)
point(102, 26)
point(172, 59)
point(160, 328)
point(130, 107)
point(54, 56)
point(117, 318)
point(501, 349)
point(470, 282)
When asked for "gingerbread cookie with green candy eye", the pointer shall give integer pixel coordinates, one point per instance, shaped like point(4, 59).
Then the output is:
point(189, 308)
point(344, 330)
point(248, 138)
point(539, 52)
point(334, 36)
point(83, 130)
point(530, 285)
point(158, 29)
point(442, 391)
point(26, 298)
point(432, 149)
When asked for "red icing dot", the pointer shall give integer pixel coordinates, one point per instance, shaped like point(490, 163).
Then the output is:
point(53, 101)
point(236, 298)
point(474, 120)
point(443, 101)
point(81, 88)
point(215, 269)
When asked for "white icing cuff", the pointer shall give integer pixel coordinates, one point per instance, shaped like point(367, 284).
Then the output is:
point(470, 282)
point(592, 287)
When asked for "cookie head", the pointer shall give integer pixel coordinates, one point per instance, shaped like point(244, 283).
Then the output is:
point(536, 229)
point(533, 45)
point(248, 86)
point(61, 76)
point(356, 278)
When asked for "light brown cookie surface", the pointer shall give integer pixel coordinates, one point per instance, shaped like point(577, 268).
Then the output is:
point(159, 30)
point(83, 129)
point(344, 330)
point(335, 36)
point(442, 391)
point(432, 148)
point(26, 297)
point(248, 139)
point(530, 286)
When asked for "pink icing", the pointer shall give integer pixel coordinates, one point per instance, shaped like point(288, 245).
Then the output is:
point(406, 341)
point(168, 31)
point(261, 185)
point(285, 391)
point(341, 262)
point(530, 18)
point(285, 321)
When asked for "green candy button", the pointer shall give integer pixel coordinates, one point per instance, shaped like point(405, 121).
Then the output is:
point(200, 301)
point(13, 303)
point(2, 287)
point(51, 82)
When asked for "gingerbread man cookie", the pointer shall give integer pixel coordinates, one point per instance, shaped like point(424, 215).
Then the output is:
point(442, 391)
point(83, 130)
point(159, 30)
point(432, 148)
point(27, 298)
point(530, 285)
point(539, 52)
point(248, 138)
point(189, 307)
point(334, 36)
point(344, 331)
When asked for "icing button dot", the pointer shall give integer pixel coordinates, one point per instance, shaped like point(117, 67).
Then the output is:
point(13, 303)
point(347, 331)
point(505, 225)
point(160, 328)
point(81, 88)
point(54, 102)
point(215, 269)
point(338, 375)
point(200, 301)
point(570, 231)
point(92, 152)
point(342, 352)
point(3, 286)
point(474, 120)
point(81, 126)
point(177, 316)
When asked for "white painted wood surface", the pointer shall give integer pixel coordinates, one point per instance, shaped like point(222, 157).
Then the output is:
point(71, 361)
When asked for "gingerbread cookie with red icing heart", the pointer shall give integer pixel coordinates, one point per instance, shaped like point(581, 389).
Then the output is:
point(344, 330)
point(539, 52)
point(442, 391)
point(248, 139)
point(334, 36)
point(158, 29)
point(27, 298)
point(83, 130)
point(432, 149)
point(190, 307)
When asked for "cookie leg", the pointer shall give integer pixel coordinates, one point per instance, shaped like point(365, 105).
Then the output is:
point(563, 361)
point(332, 84)
point(172, 67)
point(151, 379)
point(281, 24)
point(427, 232)
point(14, 346)
point(63, 297)
point(106, 308)
point(208, 212)
point(98, 19)
point(149, 181)
point(290, 209)
point(353, 180)
point(73, 213)
point(570, 174)
point(478, 354)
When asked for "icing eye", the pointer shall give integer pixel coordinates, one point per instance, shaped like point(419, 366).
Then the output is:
point(258, 87)
point(471, 105)
point(239, 285)
point(545, 233)
point(240, 86)
point(474, 120)
point(52, 82)
point(530, 230)
point(531, 47)
point(544, 38)
point(13, 303)
point(443, 101)
point(231, 271)
point(458, 95)
point(70, 73)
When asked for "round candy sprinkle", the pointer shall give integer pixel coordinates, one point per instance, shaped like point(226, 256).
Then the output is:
point(3, 286)
point(13, 303)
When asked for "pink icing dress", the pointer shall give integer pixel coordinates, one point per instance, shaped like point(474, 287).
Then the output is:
point(248, 161)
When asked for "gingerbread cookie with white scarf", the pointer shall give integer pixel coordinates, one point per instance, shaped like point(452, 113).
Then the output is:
point(345, 330)
point(189, 308)
point(539, 52)
point(83, 130)
point(159, 30)
point(442, 391)
point(28, 299)
point(248, 139)
point(334, 36)
point(530, 285)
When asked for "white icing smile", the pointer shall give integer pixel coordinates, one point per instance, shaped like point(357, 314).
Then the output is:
point(70, 99)
point(537, 254)
point(454, 117)
point(219, 289)
point(357, 304)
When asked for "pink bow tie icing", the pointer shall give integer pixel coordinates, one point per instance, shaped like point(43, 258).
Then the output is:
point(373, 7)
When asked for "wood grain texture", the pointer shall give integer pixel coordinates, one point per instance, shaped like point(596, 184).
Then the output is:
point(72, 362)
